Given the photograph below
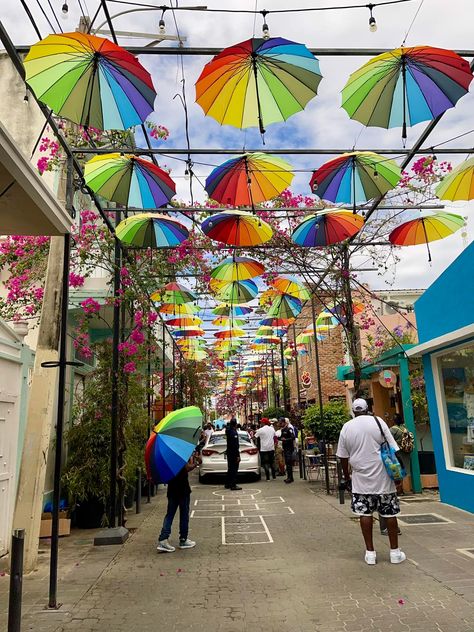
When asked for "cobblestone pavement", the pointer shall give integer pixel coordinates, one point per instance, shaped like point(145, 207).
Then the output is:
point(271, 557)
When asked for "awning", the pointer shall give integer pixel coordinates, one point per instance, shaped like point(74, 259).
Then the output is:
point(386, 360)
point(27, 205)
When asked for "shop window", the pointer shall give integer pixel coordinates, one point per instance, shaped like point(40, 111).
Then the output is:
point(456, 373)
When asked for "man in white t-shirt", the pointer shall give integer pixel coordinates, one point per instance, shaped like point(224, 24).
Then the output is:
point(266, 435)
point(371, 486)
point(208, 431)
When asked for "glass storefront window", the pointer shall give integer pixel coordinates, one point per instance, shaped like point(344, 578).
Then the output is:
point(456, 372)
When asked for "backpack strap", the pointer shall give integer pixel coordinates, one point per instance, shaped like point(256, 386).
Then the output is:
point(381, 429)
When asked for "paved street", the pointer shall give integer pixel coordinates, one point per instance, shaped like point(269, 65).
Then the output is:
point(271, 557)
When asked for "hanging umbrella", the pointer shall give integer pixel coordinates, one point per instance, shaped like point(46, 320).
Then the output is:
point(249, 179)
point(459, 184)
point(355, 177)
point(291, 286)
point(234, 332)
point(267, 340)
point(258, 82)
point(184, 309)
point(274, 321)
point(426, 229)
point(237, 228)
point(172, 442)
point(326, 319)
point(184, 321)
point(406, 86)
point(264, 330)
point(174, 293)
point(285, 306)
point(225, 321)
point(234, 291)
point(151, 230)
point(237, 269)
point(129, 180)
point(231, 310)
point(90, 81)
point(327, 228)
point(187, 332)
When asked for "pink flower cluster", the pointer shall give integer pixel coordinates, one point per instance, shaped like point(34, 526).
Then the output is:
point(90, 306)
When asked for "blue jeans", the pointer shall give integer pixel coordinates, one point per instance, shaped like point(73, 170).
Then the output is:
point(173, 504)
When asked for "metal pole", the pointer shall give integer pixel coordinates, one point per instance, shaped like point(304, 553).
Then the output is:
point(320, 395)
point(297, 370)
point(16, 580)
point(115, 379)
point(174, 376)
point(163, 360)
point(282, 357)
point(276, 394)
point(138, 498)
point(53, 562)
point(340, 487)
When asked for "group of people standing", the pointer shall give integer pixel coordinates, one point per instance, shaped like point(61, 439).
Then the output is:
point(275, 439)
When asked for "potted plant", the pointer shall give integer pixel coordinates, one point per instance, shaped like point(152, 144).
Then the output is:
point(335, 415)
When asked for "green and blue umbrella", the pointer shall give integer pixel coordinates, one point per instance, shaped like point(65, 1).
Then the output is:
point(151, 230)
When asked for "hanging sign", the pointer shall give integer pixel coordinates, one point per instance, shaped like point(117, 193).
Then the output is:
point(387, 378)
point(306, 379)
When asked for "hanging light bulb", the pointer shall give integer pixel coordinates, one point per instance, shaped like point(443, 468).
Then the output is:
point(186, 173)
point(64, 11)
point(162, 26)
point(372, 22)
point(266, 31)
point(26, 98)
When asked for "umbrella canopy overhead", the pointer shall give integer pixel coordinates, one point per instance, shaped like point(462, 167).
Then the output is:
point(174, 293)
point(225, 321)
point(258, 82)
point(237, 269)
point(183, 309)
point(249, 179)
point(237, 228)
point(151, 230)
point(188, 332)
point(172, 442)
point(291, 286)
point(327, 228)
point(406, 86)
point(224, 309)
point(184, 321)
point(424, 230)
point(90, 81)
point(355, 177)
point(234, 291)
point(459, 184)
point(233, 332)
point(285, 307)
point(129, 180)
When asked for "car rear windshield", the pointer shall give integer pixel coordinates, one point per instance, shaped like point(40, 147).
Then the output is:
point(216, 439)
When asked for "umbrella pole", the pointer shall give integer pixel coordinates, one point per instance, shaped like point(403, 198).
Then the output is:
point(297, 369)
point(282, 358)
point(354, 210)
point(259, 108)
point(404, 92)
point(426, 237)
point(276, 396)
point(163, 360)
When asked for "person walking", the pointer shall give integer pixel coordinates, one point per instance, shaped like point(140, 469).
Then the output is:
point(288, 445)
point(233, 455)
point(372, 488)
point(179, 495)
point(266, 437)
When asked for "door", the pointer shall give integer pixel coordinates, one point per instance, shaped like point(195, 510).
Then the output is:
point(7, 436)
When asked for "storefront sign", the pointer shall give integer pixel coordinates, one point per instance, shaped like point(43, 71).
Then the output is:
point(387, 378)
point(306, 379)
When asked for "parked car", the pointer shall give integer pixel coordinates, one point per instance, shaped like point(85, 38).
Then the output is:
point(214, 459)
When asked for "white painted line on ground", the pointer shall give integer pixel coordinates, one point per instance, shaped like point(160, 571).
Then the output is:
point(223, 529)
point(264, 524)
point(468, 552)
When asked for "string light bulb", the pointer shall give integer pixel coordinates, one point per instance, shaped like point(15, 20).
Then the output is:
point(372, 21)
point(65, 11)
point(266, 31)
point(162, 26)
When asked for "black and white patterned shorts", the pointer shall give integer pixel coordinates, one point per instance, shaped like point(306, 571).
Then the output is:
point(387, 505)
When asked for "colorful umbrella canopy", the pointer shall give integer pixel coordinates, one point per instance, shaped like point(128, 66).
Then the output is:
point(423, 230)
point(234, 291)
point(406, 86)
point(237, 269)
point(90, 81)
point(225, 321)
point(129, 180)
point(291, 286)
point(459, 184)
point(274, 321)
point(234, 332)
point(177, 310)
point(188, 332)
point(184, 321)
point(326, 319)
point(172, 442)
point(249, 179)
point(327, 228)
point(267, 340)
point(355, 177)
point(258, 82)
point(151, 230)
point(174, 293)
point(285, 306)
point(237, 228)
point(231, 310)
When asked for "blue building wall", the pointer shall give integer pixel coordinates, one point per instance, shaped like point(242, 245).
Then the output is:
point(447, 305)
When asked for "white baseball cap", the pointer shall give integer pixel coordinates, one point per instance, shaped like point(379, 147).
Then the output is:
point(359, 405)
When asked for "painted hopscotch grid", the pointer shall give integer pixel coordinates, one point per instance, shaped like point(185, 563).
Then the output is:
point(253, 531)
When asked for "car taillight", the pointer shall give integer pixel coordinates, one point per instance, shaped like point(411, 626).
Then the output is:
point(209, 452)
point(249, 451)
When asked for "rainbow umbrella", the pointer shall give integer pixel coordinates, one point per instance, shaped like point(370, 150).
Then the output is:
point(151, 230)
point(231, 310)
point(423, 230)
point(233, 332)
point(258, 82)
point(285, 306)
point(237, 269)
point(184, 321)
point(129, 180)
point(406, 86)
point(174, 293)
point(90, 81)
point(171, 443)
point(225, 321)
point(459, 184)
point(249, 179)
point(265, 330)
point(355, 177)
point(291, 286)
point(327, 228)
point(187, 332)
point(326, 319)
point(234, 291)
point(267, 340)
point(237, 228)
point(184, 309)
point(274, 321)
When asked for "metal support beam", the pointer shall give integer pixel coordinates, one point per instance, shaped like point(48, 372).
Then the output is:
point(290, 151)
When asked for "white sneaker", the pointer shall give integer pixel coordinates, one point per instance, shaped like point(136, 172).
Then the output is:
point(165, 547)
point(370, 558)
point(186, 544)
point(397, 556)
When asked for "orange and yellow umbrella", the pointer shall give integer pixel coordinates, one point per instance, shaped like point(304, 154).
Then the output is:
point(237, 228)
point(459, 184)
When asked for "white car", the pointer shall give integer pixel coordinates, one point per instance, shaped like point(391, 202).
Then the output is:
point(214, 459)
